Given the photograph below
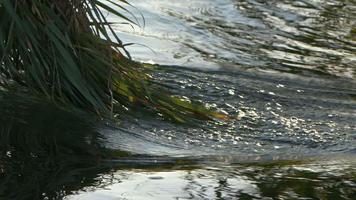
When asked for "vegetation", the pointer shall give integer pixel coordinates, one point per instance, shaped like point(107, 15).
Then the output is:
point(68, 52)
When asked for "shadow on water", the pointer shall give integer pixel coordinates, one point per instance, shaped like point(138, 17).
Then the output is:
point(45, 151)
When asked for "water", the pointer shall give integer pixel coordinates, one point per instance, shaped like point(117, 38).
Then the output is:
point(284, 70)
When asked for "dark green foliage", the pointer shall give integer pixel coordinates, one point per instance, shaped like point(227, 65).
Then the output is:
point(62, 50)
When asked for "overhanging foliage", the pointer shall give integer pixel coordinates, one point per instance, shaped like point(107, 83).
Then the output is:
point(67, 51)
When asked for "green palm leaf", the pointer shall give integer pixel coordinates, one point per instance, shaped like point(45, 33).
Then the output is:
point(63, 50)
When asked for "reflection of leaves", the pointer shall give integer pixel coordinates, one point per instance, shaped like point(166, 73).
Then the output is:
point(45, 151)
point(290, 181)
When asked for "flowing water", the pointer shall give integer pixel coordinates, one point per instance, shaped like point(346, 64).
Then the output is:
point(285, 70)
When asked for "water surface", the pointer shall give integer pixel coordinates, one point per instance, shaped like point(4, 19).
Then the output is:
point(284, 70)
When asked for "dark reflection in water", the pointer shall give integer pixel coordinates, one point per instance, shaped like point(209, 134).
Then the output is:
point(45, 152)
point(269, 180)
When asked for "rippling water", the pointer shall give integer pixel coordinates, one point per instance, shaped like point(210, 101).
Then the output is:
point(326, 180)
point(284, 70)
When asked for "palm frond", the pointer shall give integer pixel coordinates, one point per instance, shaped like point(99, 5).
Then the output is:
point(67, 51)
